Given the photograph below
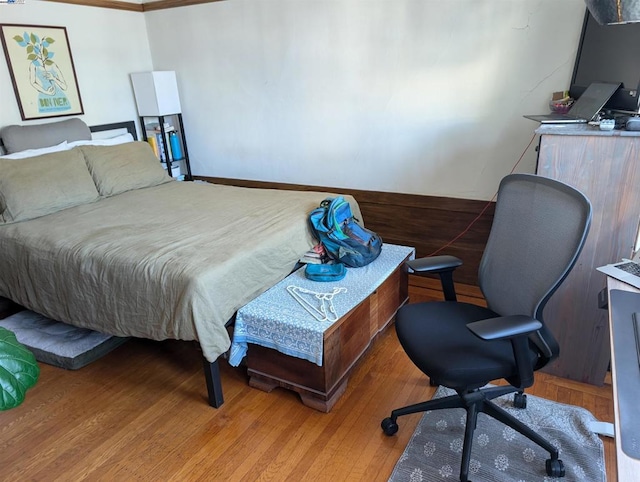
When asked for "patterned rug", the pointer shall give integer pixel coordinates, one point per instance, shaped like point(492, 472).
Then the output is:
point(499, 453)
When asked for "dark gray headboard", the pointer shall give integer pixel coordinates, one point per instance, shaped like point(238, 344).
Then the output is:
point(19, 138)
point(130, 126)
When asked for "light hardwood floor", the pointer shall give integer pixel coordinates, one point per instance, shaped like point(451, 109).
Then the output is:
point(140, 413)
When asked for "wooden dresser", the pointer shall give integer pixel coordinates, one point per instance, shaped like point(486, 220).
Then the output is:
point(605, 166)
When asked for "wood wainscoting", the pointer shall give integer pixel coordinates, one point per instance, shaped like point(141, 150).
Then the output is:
point(425, 222)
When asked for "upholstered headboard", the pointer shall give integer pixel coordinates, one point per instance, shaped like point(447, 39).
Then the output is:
point(17, 138)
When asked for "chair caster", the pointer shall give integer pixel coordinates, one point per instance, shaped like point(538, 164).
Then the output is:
point(433, 383)
point(555, 468)
point(520, 400)
point(389, 426)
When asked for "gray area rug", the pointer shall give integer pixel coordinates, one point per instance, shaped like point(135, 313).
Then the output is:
point(57, 343)
point(499, 453)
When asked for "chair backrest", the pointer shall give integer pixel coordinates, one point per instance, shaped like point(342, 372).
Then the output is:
point(538, 231)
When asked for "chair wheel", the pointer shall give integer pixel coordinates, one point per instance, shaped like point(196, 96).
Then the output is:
point(389, 426)
point(433, 383)
point(555, 468)
point(520, 400)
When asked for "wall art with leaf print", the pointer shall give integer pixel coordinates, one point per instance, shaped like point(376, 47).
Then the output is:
point(42, 70)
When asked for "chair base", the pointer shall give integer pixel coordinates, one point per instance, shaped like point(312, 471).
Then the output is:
point(474, 402)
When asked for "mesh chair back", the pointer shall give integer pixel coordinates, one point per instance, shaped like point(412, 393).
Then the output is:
point(538, 230)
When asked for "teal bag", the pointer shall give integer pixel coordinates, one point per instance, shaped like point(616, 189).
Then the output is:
point(343, 238)
point(325, 272)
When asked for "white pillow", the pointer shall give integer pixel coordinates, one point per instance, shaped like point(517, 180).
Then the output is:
point(63, 146)
point(111, 141)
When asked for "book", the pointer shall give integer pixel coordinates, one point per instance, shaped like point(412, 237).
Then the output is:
point(316, 255)
point(161, 147)
point(154, 145)
point(162, 150)
point(157, 129)
point(155, 126)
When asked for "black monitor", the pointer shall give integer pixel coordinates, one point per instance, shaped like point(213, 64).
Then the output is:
point(609, 53)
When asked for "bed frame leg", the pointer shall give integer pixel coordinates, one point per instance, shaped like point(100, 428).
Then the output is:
point(214, 385)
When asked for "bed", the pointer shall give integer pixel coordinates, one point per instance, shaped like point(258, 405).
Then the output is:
point(94, 233)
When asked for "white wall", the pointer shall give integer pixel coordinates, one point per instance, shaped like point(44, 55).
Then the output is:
point(413, 96)
point(106, 45)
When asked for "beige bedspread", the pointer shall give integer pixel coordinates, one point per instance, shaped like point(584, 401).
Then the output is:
point(172, 261)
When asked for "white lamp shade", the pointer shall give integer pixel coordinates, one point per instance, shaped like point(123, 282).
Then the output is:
point(156, 93)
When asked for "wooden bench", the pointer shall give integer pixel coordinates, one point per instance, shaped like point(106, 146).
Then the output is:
point(344, 343)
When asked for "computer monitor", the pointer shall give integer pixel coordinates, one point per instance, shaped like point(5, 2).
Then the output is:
point(609, 53)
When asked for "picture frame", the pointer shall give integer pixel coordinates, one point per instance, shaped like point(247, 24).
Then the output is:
point(42, 70)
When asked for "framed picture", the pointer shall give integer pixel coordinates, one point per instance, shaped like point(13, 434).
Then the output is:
point(42, 70)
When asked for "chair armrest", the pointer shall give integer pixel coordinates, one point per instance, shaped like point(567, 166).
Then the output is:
point(516, 329)
point(504, 327)
point(434, 264)
point(441, 265)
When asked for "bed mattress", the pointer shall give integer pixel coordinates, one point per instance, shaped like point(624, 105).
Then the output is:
point(174, 261)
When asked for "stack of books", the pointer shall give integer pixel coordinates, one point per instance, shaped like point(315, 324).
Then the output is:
point(154, 137)
point(316, 255)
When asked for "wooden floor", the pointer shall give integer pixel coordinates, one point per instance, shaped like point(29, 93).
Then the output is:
point(140, 413)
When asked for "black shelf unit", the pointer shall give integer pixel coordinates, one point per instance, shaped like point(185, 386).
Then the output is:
point(166, 147)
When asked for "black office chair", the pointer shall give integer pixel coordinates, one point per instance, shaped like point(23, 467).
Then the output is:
point(538, 230)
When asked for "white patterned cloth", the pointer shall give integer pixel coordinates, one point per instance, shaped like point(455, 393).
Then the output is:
point(276, 320)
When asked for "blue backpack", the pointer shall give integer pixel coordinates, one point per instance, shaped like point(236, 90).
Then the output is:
point(343, 238)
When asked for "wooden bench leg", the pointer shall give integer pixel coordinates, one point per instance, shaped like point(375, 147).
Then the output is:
point(214, 385)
